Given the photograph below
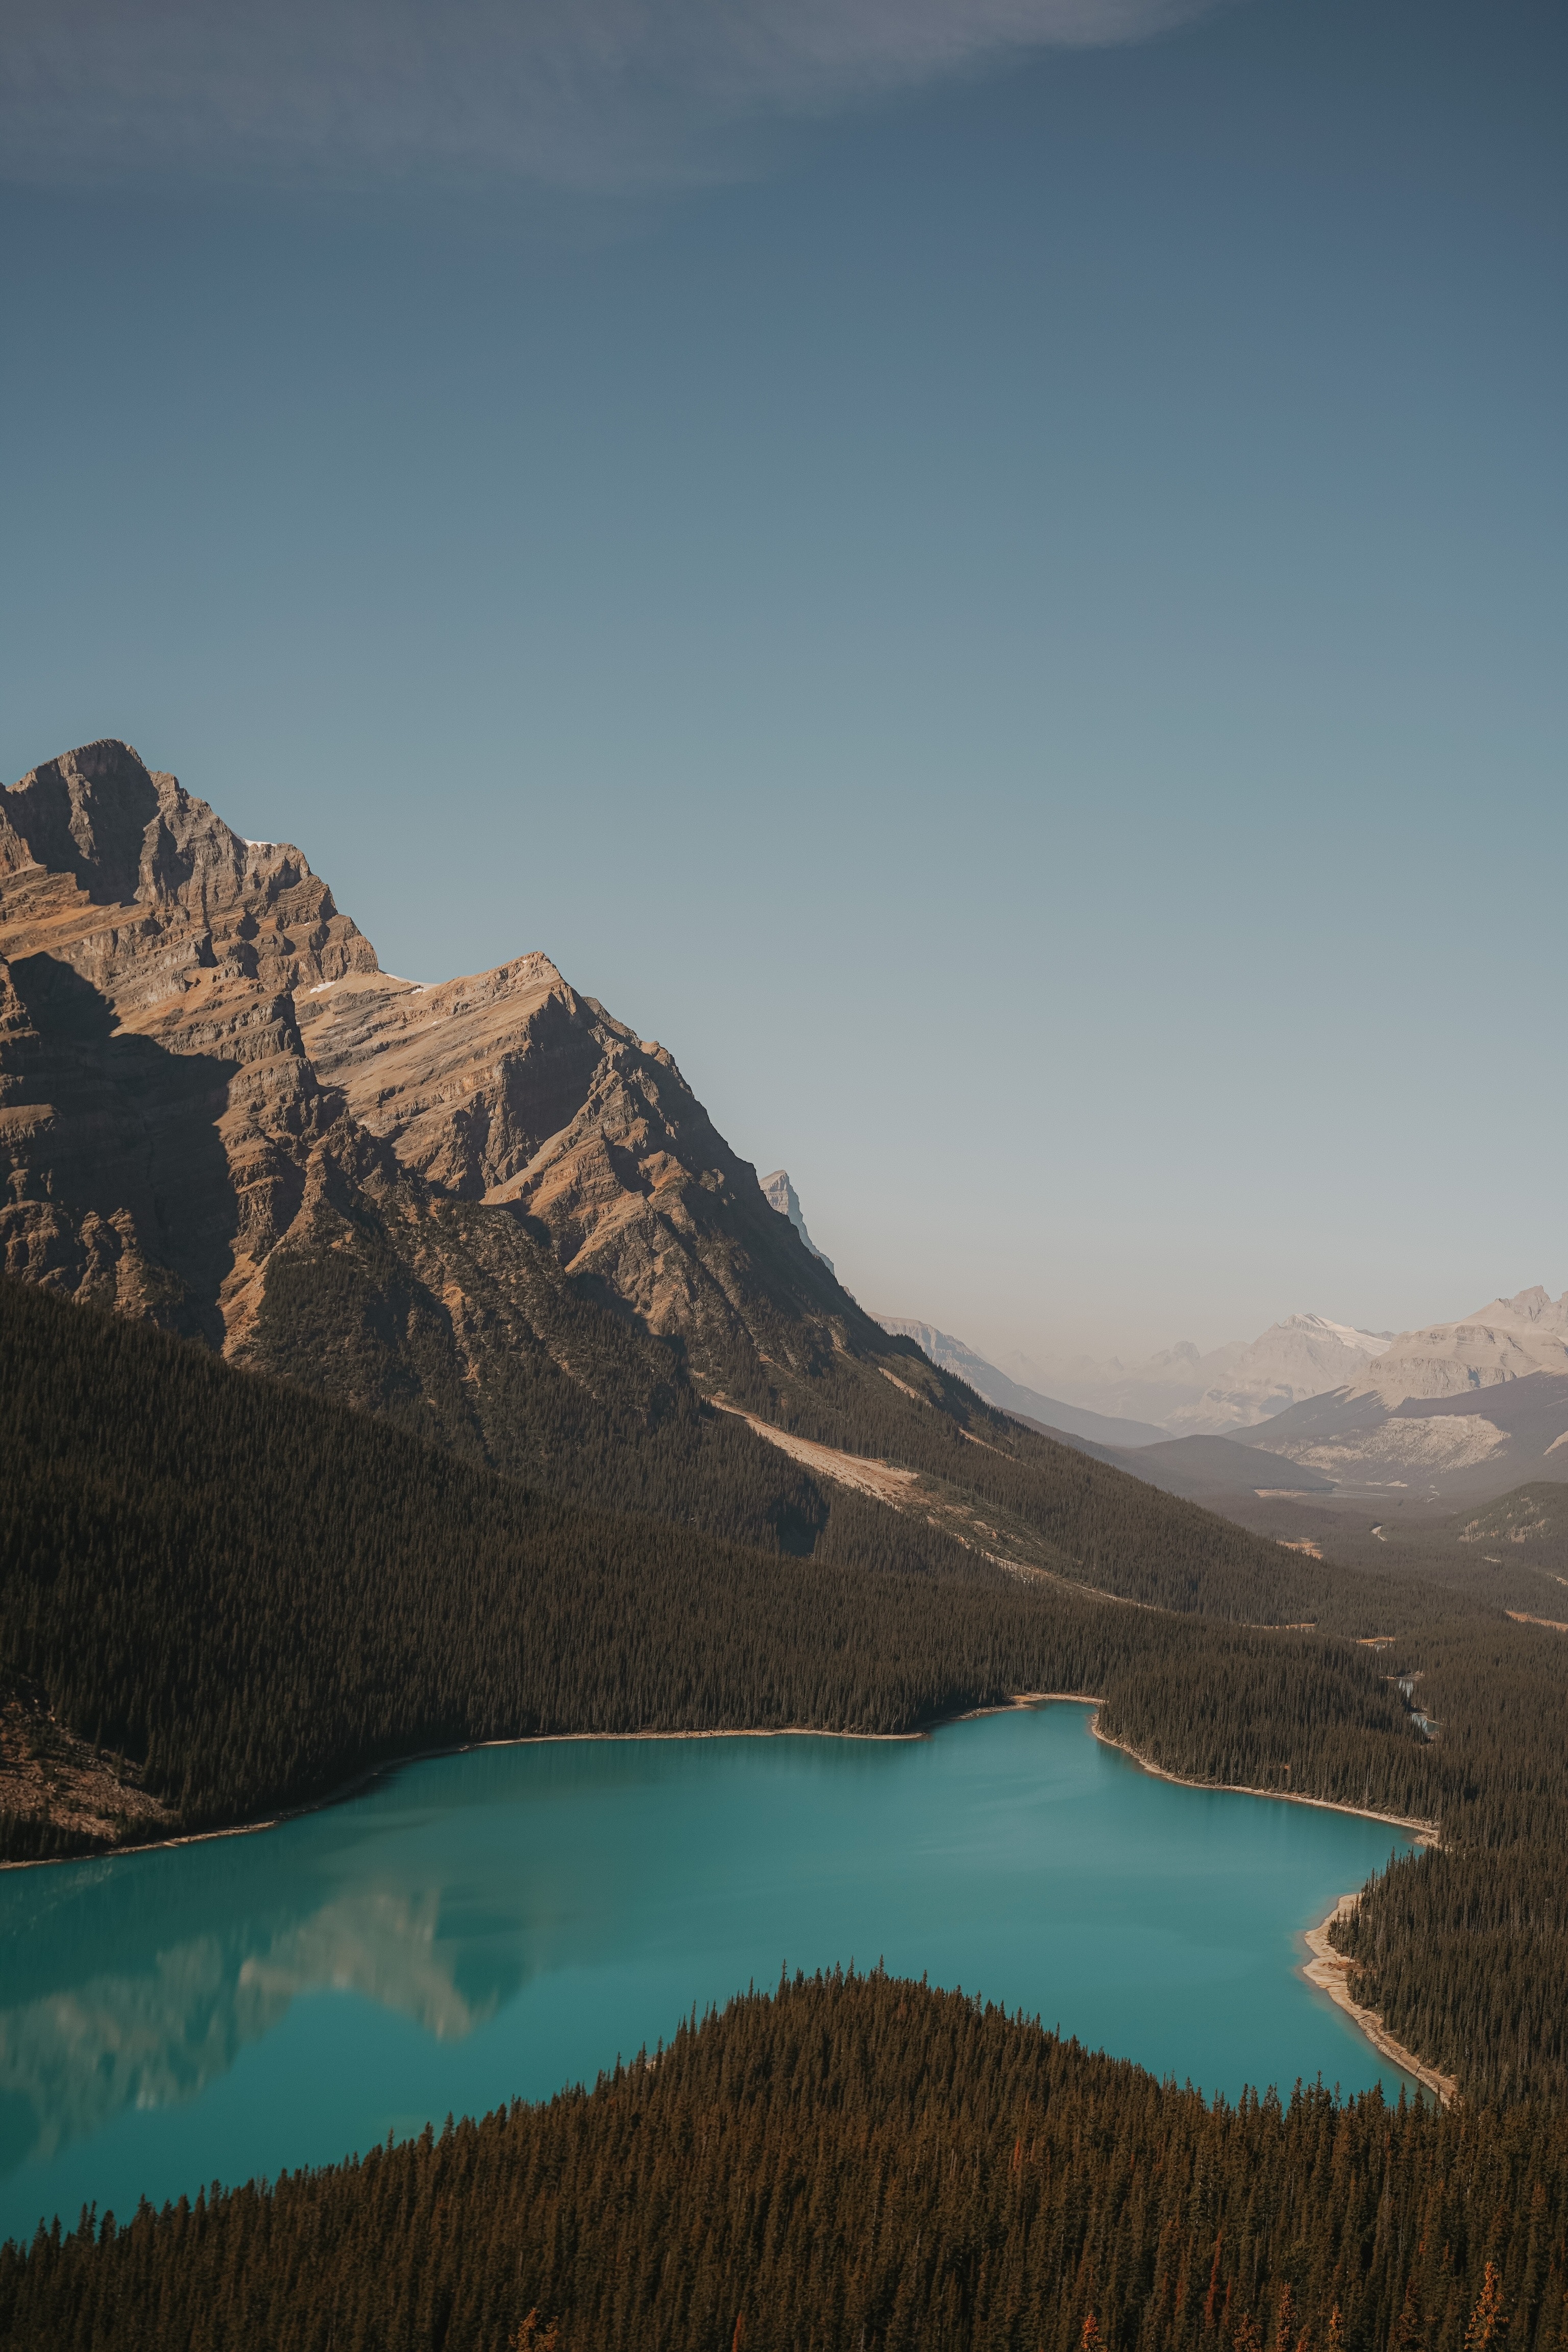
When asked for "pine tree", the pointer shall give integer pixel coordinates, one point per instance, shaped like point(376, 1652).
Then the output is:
point(1488, 2324)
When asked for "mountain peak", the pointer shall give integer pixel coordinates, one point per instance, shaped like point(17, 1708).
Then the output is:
point(96, 829)
point(190, 1006)
point(780, 1194)
point(1508, 1340)
point(1530, 1309)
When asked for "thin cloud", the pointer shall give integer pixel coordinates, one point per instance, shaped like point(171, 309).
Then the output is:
point(589, 94)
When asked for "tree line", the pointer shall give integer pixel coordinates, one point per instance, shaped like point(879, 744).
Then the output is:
point(854, 2164)
point(253, 1594)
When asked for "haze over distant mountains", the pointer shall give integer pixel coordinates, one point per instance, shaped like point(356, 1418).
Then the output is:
point(1011, 1396)
point(1231, 1387)
point(1461, 1410)
point(1456, 1411)
point(1178, 1393)
point(1509, 1339)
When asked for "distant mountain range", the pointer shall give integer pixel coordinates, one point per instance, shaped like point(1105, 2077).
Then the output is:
point(1011, 1396)
point(1462, 1410)
point(1232, 1387)
point(1456, 1411)
point(1511, 1339)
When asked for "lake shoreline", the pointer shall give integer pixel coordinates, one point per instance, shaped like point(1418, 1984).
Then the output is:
point(1426, 1833)
point(1327, 1970)
point(348, 1790)
point(1330, 1971)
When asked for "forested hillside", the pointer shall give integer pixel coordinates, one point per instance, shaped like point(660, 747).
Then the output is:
point(253, 1595)
point(864, 2164)
point(234, 1598)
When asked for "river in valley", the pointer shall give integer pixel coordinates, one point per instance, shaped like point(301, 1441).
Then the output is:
point(499, 1924)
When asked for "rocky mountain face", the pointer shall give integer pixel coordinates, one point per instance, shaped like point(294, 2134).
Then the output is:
point(511, 1092)
point(158, 1112)
point(487, 1206)
point(780, 1194)
point(1508, 1341)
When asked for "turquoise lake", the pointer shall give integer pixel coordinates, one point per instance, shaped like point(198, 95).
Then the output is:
point(499, 1924)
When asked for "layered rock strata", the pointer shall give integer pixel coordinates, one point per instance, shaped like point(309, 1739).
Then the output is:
point(206, 1081)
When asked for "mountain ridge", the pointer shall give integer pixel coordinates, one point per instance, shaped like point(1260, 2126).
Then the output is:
point(1233, 1387)
point(149, 956)
point(781, 1194)
point(1506, 1339)
point(485, 1210)
point(955, 1356)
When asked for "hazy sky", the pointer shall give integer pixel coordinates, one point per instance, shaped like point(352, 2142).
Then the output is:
point(1003, 596)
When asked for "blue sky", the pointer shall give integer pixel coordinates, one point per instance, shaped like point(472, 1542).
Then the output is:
point(1003, 597)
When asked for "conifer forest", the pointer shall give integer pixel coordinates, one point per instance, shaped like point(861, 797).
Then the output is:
point(243, 1596)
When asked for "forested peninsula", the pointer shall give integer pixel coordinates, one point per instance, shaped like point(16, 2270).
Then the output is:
point(857, 2162)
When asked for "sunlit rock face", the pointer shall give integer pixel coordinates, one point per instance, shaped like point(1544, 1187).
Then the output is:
point(157, 1110)
point(214, 1105)
point(510, 1090)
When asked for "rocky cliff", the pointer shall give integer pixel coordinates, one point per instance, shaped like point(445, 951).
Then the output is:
point(219, 1112)
point(1511, 1339)
point(781, 1194)
point(158, 1111)
point(488, 1211)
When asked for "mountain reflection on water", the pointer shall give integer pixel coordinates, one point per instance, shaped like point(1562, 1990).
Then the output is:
point(500, 1924)
point(183, 1998)
point(166, 2021)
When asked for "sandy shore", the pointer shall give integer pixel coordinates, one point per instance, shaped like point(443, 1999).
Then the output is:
point(1424, 1833)
point(1330, 1971)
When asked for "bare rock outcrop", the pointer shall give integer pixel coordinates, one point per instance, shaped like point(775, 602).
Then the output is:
point(781, 1196)
point(206, 1081)
point(1509, 1339)
point(510, 1090)
point(157, 1107)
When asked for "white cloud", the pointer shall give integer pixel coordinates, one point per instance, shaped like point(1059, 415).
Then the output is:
point(597, 94)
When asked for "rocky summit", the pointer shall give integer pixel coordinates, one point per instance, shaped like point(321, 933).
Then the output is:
point(219, 1112)
point(158, 1112)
